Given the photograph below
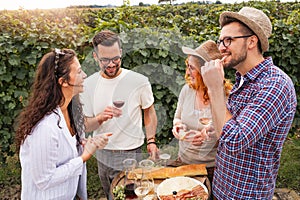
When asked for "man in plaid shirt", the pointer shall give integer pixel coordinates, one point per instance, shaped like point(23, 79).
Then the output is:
point(253, 125)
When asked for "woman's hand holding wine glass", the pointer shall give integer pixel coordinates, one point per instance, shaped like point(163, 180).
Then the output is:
point(195, 137)
point(205, 120)
point(179, 130)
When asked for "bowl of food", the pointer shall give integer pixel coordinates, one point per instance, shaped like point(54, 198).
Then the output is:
point(181, 188)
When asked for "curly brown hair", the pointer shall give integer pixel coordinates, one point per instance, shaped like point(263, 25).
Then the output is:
point(46, 95)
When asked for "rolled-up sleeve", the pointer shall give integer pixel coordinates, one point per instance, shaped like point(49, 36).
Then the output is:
point(257, 118)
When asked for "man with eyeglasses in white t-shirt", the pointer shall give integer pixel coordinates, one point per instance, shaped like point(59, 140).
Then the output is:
point(114, 83)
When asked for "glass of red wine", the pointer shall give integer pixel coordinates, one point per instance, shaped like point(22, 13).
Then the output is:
point(118, 103)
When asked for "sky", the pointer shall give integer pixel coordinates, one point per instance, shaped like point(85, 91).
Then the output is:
point(48, 4)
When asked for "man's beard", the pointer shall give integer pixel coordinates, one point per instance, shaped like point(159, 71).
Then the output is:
point(110, 74)
point(236, 61)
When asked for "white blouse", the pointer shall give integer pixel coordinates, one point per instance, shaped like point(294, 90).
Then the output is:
point(51, 166)
point(186, 113)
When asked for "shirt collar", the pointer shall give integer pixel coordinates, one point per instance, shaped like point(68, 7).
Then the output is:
point(257, 70)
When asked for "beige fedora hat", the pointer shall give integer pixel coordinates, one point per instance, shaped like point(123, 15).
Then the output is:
point(255, 19)
point(207, 51)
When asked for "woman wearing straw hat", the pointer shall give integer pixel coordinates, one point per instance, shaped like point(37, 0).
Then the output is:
point(260, 109)
point(193, 109)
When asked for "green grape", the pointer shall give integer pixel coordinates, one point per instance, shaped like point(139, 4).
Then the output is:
point(118, 192)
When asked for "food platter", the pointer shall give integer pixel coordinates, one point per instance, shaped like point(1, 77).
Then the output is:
point(197, 180)
point(180, 186)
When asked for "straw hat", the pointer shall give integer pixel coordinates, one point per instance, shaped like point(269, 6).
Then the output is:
point(255, 19)
point(207, 51)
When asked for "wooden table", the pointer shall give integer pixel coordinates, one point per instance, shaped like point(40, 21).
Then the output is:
point(119, 180)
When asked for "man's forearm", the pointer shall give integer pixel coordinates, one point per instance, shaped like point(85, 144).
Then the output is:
point(91, 123)
point(151, 131)
point(219, 111)
point(150, 121)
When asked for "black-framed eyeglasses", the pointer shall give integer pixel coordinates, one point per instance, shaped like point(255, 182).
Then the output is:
point(106, 61)
point(227, 40)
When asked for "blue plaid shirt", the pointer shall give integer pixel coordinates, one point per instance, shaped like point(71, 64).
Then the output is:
point(262, 109)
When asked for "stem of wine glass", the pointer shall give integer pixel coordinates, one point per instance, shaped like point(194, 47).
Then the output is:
point(165, 162)
point(126, 175)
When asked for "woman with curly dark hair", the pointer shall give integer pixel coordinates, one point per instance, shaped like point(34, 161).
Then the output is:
point(50, 131)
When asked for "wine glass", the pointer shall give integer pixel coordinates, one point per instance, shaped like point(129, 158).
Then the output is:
point(129, 165)
point(147, 166)
point(142, 187)
point(205, 117)
point(164, 156)
point(118, 103)
point(206, 120)
point(183, 130)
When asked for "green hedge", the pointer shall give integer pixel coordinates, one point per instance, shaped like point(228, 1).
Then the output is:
point(152, 38)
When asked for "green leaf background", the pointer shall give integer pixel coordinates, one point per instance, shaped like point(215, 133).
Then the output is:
point(152, 38)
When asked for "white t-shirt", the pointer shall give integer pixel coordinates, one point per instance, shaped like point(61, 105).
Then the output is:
point(135, 90)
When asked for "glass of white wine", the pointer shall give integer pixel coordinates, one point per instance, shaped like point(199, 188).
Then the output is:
point(147, 166)
point(205, 120)
point(142, 188)
point(205, 117)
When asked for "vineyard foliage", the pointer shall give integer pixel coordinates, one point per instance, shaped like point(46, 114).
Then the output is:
point(152, 38)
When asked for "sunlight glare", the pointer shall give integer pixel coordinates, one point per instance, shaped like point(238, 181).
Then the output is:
point(45, 4)
point(49, 4)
